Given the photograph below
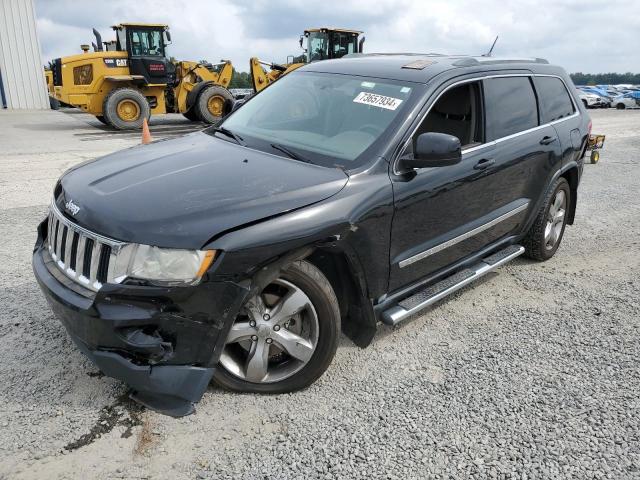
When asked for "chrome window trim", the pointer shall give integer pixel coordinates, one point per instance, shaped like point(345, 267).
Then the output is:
point(497, 140)
point(454, 241)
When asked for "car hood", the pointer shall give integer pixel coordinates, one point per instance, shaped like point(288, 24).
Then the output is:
point(180, 193)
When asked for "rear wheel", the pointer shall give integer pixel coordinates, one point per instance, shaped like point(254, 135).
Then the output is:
point(545, 235)
point(620, 106)
point(126, 109)
point(284, 337)
point(210, 105)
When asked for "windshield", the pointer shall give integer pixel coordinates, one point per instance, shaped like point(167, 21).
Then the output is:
point(326, 119)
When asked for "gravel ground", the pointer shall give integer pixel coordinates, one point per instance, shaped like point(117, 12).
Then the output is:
point(532, 373)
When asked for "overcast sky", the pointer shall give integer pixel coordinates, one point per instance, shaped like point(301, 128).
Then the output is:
point(580, 35)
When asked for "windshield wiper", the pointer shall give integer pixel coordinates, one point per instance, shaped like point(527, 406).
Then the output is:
point(225, 131)
point(290, 153)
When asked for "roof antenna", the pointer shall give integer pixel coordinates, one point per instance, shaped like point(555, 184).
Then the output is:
point(488, 54)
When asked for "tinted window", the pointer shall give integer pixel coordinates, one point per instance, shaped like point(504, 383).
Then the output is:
point(554, 99)
point(510, 106)
point(457, 112)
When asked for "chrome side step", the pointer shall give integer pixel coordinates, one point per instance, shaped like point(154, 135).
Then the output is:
point(430, 295)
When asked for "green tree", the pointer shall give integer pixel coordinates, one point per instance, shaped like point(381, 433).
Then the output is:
point(580, 78)
point(240, 80)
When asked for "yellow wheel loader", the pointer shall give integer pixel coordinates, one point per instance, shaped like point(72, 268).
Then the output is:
point(321, 44)
point(122, 82)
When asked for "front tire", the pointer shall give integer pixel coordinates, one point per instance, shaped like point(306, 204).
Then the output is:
point(210, 105)
point(620, 106)
point(544, 236)
point(284, 338)
point(125, 109)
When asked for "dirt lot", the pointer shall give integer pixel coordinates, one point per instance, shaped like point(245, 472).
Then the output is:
point(533, 373)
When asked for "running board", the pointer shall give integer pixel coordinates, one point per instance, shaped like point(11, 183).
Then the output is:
point(430, 295)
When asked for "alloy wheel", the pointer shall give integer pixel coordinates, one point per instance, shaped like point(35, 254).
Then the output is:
point(555, 219)
point(274, 337)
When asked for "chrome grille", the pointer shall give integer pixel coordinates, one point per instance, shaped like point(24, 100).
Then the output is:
point(86, 257)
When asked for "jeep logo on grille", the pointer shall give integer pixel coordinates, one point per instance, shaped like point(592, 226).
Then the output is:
point(72, 207)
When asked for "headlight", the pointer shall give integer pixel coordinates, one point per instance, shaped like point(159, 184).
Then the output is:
point(169, 266)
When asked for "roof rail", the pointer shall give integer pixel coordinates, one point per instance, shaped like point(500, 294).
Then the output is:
point(391, 54)
point(470, 61)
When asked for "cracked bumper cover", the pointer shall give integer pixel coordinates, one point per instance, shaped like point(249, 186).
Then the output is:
point(164, 342)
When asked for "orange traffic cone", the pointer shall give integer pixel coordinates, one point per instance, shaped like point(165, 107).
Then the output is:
point(146, 134)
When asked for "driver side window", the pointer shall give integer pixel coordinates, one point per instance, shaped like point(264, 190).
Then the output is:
point(457, 112)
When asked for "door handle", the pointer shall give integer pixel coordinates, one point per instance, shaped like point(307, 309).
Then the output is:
point(484, 163)
point(546, 140)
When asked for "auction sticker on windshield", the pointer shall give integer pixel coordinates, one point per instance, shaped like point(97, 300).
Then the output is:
point(381, 101)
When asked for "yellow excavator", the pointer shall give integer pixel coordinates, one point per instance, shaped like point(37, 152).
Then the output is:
point(126, 80)
point(321, 44)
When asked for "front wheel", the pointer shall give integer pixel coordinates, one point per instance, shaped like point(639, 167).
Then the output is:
point(211, 103)
point(545, 235)
point(620, 106)
point(284, 337)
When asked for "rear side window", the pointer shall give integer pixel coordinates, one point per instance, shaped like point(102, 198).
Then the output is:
point(510, 106)
point(554, 99)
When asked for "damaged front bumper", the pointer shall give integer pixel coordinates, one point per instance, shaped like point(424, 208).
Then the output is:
point(164, 342)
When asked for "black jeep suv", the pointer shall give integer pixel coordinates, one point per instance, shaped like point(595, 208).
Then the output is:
point(349, 192)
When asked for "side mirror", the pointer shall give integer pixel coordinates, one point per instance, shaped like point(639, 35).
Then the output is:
point(434, 150)
point(301, 40)
point(168, 35)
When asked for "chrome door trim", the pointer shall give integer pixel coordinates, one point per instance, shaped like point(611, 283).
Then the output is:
point(497, 140)
point(454, 241)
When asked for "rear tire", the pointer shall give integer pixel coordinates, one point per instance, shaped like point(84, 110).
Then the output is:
point(210, 104)
point(125, 109)
point(101, 119)
point(544, 236)
point(316, 323)
point(620, 106)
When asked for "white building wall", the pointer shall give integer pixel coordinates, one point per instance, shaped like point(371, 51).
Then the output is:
point(21, 64)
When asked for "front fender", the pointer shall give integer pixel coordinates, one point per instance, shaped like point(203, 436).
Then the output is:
point(356, 221)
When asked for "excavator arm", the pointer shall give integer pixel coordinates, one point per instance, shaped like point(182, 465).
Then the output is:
point(260, 77)
point(194, 75)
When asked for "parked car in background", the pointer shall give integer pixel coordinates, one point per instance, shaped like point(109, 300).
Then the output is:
point(628, 100)
point(591, 100)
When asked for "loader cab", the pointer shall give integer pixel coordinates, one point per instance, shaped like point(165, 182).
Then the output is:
point(328, 43)
point(146, 45)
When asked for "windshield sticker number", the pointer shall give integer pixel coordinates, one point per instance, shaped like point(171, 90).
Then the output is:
point(388, 103)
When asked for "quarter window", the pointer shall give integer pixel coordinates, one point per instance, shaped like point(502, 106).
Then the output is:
point(510, 105)
point(554, 99)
